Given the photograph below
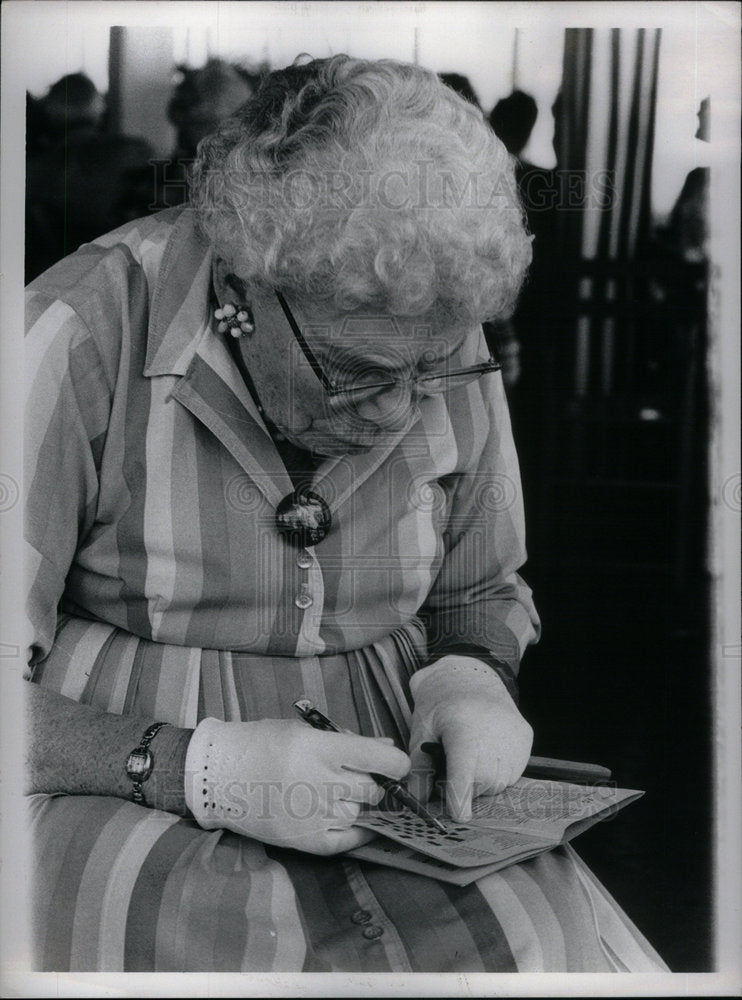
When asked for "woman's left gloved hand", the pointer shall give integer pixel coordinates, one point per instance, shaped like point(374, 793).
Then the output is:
point(462, 704)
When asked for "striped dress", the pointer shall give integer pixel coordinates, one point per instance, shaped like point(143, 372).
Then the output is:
point(158, 586)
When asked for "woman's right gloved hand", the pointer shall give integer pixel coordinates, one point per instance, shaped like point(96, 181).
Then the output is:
point(286, 784)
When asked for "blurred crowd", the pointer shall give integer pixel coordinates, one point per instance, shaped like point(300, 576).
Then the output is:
point(84, 178)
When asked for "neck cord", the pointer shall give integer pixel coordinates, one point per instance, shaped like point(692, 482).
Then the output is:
point(300, 463)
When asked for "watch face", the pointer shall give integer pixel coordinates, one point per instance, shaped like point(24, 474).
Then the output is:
point(139, 764)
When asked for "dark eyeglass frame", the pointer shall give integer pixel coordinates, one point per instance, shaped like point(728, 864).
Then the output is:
point(333, 389)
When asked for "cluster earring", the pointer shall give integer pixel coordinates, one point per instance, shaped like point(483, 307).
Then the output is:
point(237, 319)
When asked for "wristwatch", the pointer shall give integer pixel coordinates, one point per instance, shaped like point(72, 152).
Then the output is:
point(140, 763)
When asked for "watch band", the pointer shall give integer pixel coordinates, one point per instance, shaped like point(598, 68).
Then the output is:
point(140, 763)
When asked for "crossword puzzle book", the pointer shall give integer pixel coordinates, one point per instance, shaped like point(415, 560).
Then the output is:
point(530, 817)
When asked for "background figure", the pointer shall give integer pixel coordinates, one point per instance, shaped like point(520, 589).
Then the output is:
point(200, 101)
point(77, 175)
point(205, 97)
point(35, 125)
point(72, 105)
point(501, 337)
point(686, 233)
point(462, 85)
point(512, 120)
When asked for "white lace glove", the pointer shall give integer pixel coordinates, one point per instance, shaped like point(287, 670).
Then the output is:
point(463, 704)
point(284, 783)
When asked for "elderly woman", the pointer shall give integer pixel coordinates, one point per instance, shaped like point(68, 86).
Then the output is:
point(269, 458)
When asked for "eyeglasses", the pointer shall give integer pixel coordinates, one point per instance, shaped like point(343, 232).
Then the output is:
point(429, 384)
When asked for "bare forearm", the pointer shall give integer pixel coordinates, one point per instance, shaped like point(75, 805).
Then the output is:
point(80, 750)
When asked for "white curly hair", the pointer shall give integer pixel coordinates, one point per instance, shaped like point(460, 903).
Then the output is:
point(365, 185)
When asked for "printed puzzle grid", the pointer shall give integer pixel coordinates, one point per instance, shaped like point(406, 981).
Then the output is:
point(461, 845)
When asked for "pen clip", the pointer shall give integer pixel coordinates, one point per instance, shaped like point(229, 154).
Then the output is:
point(314, 717)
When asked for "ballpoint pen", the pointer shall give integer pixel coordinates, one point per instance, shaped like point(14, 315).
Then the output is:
point(317, 720)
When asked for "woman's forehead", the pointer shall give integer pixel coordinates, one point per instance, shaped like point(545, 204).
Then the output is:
point(371, 333)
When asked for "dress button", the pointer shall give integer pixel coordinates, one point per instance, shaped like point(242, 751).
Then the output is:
point(361, 917)
point(304, 599)
point(372, 932)
point(304, 560)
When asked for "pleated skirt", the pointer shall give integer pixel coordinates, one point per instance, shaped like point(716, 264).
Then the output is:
point(120, 887)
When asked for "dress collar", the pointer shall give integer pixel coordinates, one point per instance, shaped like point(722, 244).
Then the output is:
point(181, 342)
point(180, 313)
